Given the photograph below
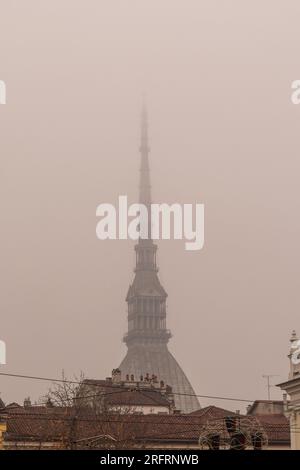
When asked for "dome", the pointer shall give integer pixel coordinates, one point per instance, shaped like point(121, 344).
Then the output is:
point(157, 360)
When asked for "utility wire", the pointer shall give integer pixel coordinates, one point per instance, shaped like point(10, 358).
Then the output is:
point(53, 405)
point(48, 379)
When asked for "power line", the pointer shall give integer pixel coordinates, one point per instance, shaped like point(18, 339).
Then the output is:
point(71, 399)
point(48, 379)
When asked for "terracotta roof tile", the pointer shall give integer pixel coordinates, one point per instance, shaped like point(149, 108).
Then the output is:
point(53, 424)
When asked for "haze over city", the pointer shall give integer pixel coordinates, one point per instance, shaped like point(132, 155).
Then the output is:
point(222, 131)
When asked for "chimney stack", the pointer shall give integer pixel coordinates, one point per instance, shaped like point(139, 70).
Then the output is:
point(27, 402)
point(116, 376)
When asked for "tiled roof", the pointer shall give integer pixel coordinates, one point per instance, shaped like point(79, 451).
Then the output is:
point(53, 424)
point(256, 403)
point(276, 426)
point(136, 398)
point(213, 412)
point(35, 423)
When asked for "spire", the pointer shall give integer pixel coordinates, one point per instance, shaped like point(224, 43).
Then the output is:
point(147, 334)
point(145, 187)
point(146, 297)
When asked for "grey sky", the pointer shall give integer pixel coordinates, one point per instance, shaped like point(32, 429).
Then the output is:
point(223, 132)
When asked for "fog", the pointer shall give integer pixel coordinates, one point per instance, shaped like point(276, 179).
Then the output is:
point(223, 132)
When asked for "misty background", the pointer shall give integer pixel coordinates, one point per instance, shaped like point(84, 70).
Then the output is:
point(223, 132)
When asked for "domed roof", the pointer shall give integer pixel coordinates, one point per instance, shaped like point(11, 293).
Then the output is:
point(157, 359)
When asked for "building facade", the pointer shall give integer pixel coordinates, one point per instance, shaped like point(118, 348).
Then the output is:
point(292, 388)
point(146, 395)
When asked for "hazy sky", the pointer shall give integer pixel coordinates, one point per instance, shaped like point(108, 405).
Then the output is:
point(223, 132)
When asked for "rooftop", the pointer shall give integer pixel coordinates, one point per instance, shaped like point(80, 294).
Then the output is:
point(53, 424)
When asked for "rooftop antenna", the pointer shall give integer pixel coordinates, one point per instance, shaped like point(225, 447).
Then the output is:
point(269, 386)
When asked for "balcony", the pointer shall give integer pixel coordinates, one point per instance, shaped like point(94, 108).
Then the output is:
point(147, 334)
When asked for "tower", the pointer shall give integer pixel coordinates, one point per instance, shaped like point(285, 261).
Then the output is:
point(294, 356)
point(292, 388)
point(147, 335)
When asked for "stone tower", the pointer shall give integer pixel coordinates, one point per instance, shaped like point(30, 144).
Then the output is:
point(147, 335)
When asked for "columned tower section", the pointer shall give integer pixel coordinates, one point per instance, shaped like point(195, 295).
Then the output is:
point(146, 297)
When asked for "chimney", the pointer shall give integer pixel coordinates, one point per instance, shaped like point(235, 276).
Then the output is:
point(27, 402)
point(49, 403)
point(116, 376)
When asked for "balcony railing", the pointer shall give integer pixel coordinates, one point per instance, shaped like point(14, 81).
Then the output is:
point(147, 334)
